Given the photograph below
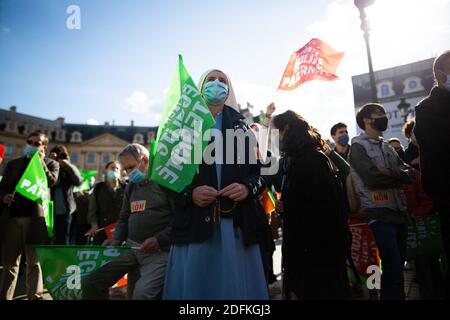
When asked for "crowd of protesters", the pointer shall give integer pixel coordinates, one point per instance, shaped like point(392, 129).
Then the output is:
point(214, 240)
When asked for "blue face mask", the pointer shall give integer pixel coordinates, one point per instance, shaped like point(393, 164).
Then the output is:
point(136, 176)
point(113, 175)
point(343, 140)
point(215, 92)
point(29, 150)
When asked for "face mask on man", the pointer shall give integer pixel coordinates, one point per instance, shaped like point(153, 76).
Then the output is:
point(112, 175)
point(29, 150)
point(136, 176)
point(380, 124)
point(343, 140)
point(215, 92)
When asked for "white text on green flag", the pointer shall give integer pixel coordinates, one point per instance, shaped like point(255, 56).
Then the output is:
point(179, 145)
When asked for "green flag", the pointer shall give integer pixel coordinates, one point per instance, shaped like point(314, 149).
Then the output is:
point(424, 237)
point(178, 148)
point(86, 176)
point(63, 267)
point(34, 186)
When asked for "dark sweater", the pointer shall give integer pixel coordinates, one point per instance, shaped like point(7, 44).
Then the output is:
point(146, 212)
point(105, 204)
point(432, 131)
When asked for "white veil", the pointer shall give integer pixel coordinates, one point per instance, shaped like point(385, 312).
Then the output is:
point(231, 99)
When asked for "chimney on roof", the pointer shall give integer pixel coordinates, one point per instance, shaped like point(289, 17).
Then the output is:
point(13, 109)
point(60, 121)
point(132, 123)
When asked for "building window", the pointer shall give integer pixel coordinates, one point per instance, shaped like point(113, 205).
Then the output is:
point(384, 90)
point(413, 84)
point(29, 128)
point(61, 135)
point(138, 138)
point(74, 157)
point(76, 137)
point(106, 158)
point(90, 158)
point(11, 126)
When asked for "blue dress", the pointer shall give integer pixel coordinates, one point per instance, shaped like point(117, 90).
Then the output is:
point(221, 268)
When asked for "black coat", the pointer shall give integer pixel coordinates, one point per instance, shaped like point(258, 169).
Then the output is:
point(68, 178)
point(109, 203)
point(22, 206)
point(195, 224)
point(314, 228)
point(432, 131)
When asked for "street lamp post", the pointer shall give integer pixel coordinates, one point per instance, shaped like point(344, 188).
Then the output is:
point(403, 106)
point(361, 5)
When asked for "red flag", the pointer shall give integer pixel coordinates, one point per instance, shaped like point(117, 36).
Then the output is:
point(122, 282)
point(364, 248)
point(2, 151)
point(268, 201)
point(109, 229)
point(315, 61)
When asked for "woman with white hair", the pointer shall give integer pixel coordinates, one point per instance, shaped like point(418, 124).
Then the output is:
point(216, 227)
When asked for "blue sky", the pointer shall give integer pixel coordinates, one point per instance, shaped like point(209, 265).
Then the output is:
point(118, 66)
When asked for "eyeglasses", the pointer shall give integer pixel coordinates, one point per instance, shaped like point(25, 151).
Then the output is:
point(34, 143)
point(132, 167)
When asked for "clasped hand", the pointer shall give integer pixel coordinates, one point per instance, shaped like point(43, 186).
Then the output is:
point(203, 196)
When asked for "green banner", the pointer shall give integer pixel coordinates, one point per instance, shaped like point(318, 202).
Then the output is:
point(424, 237)
point(34, 186)
point(63, 267)
point(178, 148)
point(86, 175)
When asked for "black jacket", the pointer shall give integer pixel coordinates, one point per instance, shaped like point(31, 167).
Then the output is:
point(314, 228)
point(68, 178)
point(194, 224)
point(411, 153)
point(22, 206)
point(432, 131)
point(105, 204)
